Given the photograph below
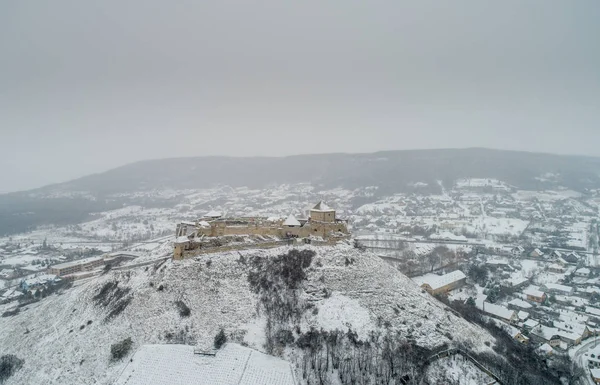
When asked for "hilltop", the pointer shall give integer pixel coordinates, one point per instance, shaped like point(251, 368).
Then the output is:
point(271, 300)
point(390, 172)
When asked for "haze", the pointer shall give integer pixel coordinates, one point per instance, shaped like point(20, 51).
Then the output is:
point(87, 86)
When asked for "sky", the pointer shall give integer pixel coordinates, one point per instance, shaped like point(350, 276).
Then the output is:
point(88, 86)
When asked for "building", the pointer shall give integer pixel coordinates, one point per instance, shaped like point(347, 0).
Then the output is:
point(233, 364)
point(536, 253)
point(322, 213)
point(559, 289)
point(544, 334)
point(572, 258)
point(68, 268)
point(499, 312)
point(322, 225)
point(517, 251)
point(530, 324)
point(556, 268)
point(534, 295)
point(555, 254)
point(518, 304)
point(595, 373)
point(444, 283)
point(583, 272)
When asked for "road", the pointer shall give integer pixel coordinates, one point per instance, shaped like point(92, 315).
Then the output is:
point(579, 359)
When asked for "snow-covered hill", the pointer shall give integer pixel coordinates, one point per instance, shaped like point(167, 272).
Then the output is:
point(66, 339)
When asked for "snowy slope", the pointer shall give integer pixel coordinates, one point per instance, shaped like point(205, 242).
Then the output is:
point(61, 346)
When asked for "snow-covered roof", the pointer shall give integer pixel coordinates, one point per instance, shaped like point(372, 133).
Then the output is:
point(498, 311)
point(321, 206)
point(523, 315)
point(545, 348)
point(592, 310)
point(178, 365)
point(291, 221)
point(595, 373)
point(558, 287)
point(448, 236)
point(213, 214)
point(520, 303)
point(531, 323)
point(533, 293)
point(583, 270)
point(75, 263)
point(188, 223)
point(182, 239)
point(203, 224)
point(556, 266)
point(443, 280)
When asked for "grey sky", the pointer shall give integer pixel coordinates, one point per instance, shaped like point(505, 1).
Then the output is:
point(86, 86)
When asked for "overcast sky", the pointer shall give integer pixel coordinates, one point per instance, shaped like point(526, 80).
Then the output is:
point(86, 86)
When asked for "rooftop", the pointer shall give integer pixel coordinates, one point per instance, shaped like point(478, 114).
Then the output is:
point(321, 206)
point(291, 221)
point(443, 280)
point(75, 263)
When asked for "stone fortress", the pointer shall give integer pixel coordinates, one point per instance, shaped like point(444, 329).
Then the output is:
point(215, 232)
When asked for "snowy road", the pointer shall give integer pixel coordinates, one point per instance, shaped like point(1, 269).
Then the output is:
point(580, 359)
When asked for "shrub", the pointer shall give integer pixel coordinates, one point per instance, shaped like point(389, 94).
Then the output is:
point(220, 339)
point(10, 313)
point(184, 310)
point(120, 349)
point(358, 245)
point(9, 364)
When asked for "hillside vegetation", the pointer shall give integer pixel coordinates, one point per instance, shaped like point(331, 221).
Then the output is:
point(338, 314)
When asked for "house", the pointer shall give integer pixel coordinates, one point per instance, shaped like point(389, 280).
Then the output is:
point(517, 251)
point(530, 324)
point(593, 312)
point(559, 289)
point(595, 373)
point(536, 253)
point(572, 258)
point(556, 268)
point(518, 304)
point(545, 349)
point(523, 315)
point(580, 330)
point(535, 295)
point(583, 272)
point(517, 335)
point(444, 283)
point(500, 312)
point(555, 254)
point(544, 334)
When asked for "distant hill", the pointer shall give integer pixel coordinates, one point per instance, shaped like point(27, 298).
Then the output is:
point(391, 171)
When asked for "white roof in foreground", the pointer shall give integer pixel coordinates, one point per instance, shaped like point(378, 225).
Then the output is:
point(595, 373)
point(291, 221)
point(443, 280)
point(498, 311)
point(178, 365)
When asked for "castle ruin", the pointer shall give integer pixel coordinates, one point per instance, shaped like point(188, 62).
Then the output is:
point(213, 232)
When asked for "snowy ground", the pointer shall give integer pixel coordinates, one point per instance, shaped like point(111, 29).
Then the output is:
point(456, 370)
point(65, 339)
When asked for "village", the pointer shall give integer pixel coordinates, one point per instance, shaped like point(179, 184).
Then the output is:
point(526, 259)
